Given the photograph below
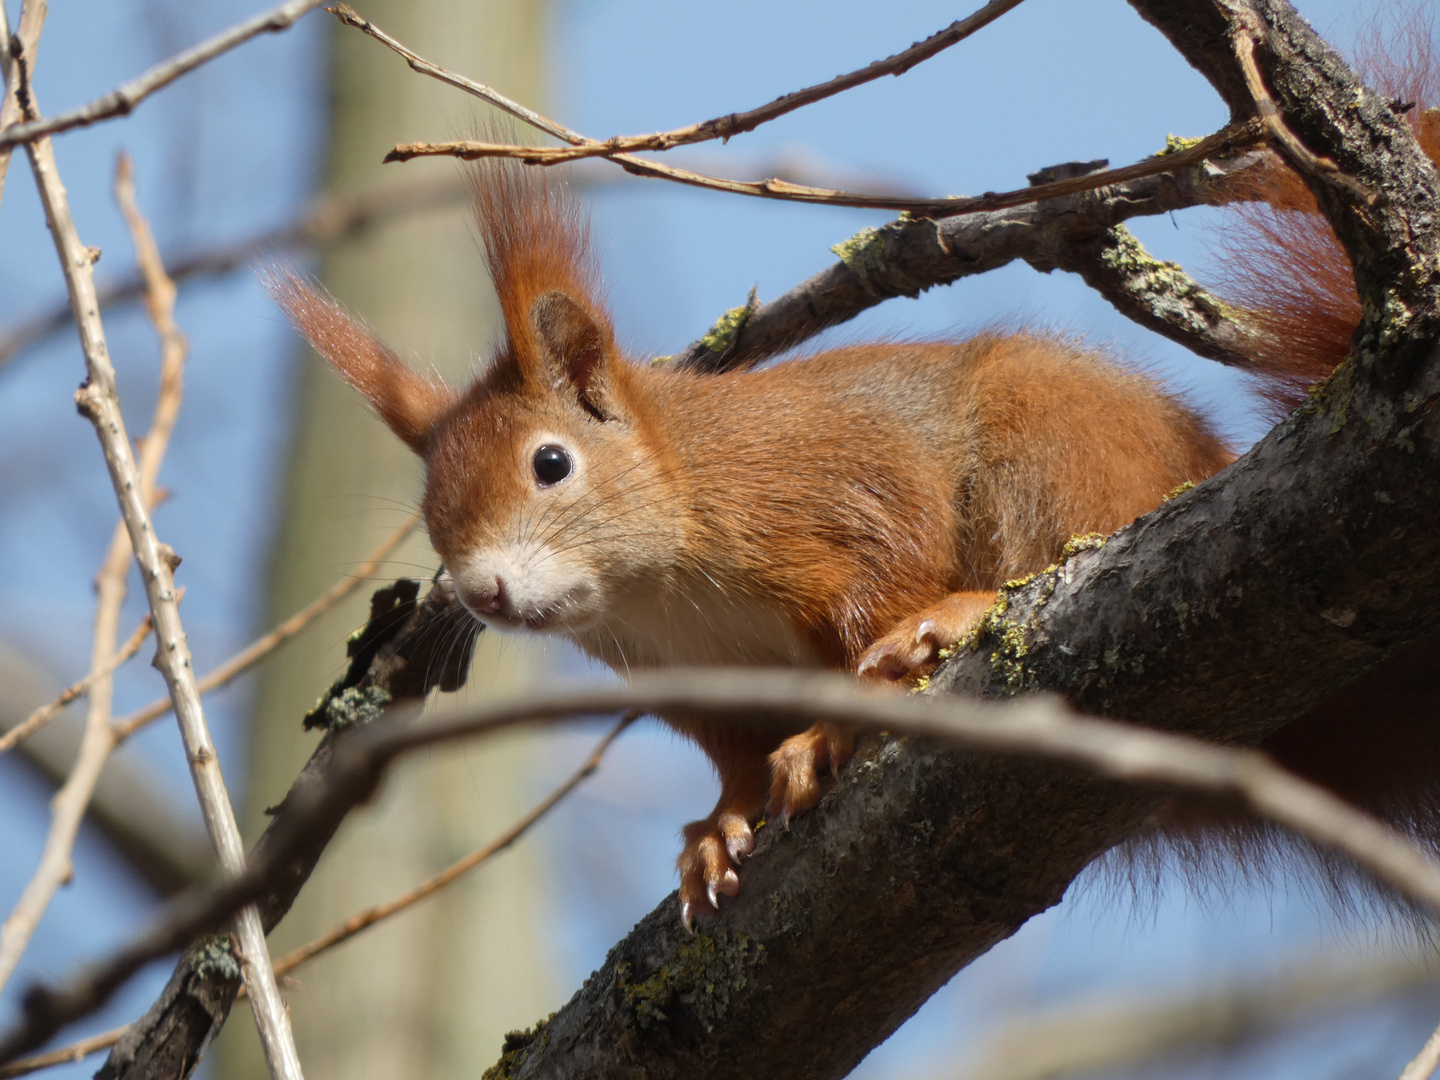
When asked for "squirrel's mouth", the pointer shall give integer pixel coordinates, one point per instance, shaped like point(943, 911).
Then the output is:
point(555, 617)
point(517, 590)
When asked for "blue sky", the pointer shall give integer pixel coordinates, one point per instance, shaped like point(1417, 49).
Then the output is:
point(234, 149)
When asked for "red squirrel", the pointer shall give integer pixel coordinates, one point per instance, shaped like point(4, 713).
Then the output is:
point(853, 509)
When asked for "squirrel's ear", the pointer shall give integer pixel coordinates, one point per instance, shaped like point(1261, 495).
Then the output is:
point(573, 343)
point(409, 403)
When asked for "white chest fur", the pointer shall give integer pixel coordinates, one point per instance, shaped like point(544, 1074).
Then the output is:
point(696, 625)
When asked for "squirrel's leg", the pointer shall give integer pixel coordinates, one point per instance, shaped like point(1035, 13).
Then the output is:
point(913, 646)
point(715, 845)
point(797, 766)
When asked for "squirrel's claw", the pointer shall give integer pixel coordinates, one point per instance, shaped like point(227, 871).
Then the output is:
point(707, 871)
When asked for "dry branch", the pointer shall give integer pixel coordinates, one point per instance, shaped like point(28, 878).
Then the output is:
point(268, 642)
point(99, 401)
point(68, 806)
point(1281, 136)
point(1424, 1064)
point(1221, 143)
point(327, 219)
point(121, 101)
point(332, 219)
point(731, 124)
point(133, 808)
point(76, 1051)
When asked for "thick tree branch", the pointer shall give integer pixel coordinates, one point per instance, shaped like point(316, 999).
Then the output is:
point(1156, 293)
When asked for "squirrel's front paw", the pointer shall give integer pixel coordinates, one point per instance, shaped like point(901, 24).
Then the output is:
point(913, 646)
point(707, 862)
point(797, 767)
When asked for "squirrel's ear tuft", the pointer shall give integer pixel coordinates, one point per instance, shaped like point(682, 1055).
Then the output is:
point(409, 403)
point(573, 342)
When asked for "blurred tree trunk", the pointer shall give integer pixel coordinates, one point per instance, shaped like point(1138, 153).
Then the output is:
point(432, 993)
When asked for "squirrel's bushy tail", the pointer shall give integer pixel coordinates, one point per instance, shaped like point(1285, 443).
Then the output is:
point(1283, 268)
point(1376, 742)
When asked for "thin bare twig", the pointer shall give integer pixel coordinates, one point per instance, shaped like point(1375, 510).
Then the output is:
point(99, 401)
point(1279, 132)
point(17, 64)
point(724, 127)
point(361, 920)
point(120, 101)
point(1226, 141)
point(350, 17)
point(1034, 727)
point(1234, 137)
point(47, 712)
point(68, 806)
point(262, 646)
point(1424, 1064)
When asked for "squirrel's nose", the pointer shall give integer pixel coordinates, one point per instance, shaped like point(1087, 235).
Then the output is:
point(492, 598)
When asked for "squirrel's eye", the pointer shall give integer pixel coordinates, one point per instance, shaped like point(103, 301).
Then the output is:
point(552, 464)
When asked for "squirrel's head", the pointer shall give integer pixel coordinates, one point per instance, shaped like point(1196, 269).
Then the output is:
point(543, 492)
